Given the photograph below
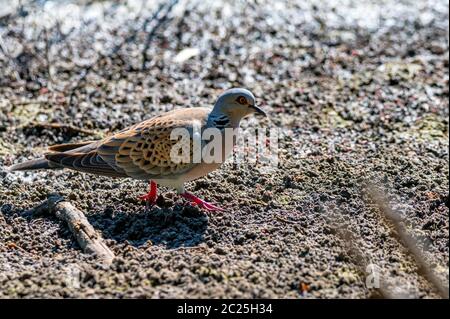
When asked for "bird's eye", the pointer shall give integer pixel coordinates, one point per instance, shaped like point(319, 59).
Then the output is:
point(241, 100)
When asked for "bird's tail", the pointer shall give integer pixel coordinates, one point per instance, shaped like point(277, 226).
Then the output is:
point(40, 163)
point(43, 163)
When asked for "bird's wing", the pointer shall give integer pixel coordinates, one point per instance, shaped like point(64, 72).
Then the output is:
point(82, 157)
point(144, 151)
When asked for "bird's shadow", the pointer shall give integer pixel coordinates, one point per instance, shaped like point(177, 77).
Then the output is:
point(172, 227)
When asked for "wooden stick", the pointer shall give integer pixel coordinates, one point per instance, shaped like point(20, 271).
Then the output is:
point(159, 22)
point(424, 269)
point(88, 239)
point(354, 251)
point(284, 220)
point(68, 127)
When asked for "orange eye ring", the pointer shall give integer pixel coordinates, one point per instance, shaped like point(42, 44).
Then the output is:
point(241, 100)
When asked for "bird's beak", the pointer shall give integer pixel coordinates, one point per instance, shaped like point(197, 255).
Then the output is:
point(258, 110)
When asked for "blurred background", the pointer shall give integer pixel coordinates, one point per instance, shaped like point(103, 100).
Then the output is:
point(358, 88)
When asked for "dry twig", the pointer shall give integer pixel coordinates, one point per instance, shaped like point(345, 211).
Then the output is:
point(68, 127)
point(361, 262)
point(158, 24)
point(408, 241)
point(88, 239)
point(284, 220)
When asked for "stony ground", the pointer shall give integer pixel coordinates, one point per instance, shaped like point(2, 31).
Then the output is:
point(359, 90)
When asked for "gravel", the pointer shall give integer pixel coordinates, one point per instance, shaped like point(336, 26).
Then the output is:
point(359, 90)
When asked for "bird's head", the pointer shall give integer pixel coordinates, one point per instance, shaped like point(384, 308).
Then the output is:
point(237, 103)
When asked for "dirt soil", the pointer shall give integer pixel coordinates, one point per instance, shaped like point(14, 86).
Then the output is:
point(358, 89)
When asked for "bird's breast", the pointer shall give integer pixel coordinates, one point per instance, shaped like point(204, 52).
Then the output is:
point(215, 151)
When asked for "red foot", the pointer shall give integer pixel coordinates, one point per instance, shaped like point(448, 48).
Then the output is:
point(152, 194)
point(201, 203)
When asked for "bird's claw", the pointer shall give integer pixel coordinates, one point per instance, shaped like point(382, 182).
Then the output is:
point(148, 198)
point(151, 196)
point(201, 203)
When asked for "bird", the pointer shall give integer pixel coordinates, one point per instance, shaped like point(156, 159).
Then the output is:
point(143, 151)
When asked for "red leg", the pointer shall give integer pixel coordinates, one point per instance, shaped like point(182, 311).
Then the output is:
point(200, 202)
point(152, 194)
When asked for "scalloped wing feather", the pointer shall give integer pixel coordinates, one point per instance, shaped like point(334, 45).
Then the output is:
point(143, 151)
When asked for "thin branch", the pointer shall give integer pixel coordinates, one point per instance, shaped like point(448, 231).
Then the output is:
point(47, 60)
point(284, 220)
point(408, 241)
point(67, 127)
point(89, 240)
point(159, 21)
point(361, 262)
